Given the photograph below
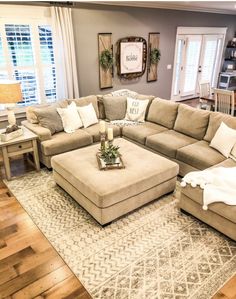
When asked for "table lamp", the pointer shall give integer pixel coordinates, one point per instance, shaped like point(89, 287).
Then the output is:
point(10, 94)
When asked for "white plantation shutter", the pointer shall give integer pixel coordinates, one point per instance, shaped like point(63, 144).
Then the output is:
point(178, 65)
point(48, 62)
point(193, 48)
point(27, 54)
point(210, 52)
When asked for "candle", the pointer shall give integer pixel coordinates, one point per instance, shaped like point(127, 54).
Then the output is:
point(102, 125)
point(110, 134)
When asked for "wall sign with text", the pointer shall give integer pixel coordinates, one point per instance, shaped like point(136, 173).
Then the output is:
point(131, 57)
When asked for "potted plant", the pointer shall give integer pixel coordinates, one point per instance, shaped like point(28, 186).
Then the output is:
point(110, 154)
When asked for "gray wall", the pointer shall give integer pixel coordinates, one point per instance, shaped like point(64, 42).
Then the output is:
point(89, 20)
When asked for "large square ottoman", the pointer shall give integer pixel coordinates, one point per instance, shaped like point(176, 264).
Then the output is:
point(107, 195)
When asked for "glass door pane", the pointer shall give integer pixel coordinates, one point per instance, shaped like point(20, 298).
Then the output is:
point(191, 64)
point(178, 65)
point(209, 50)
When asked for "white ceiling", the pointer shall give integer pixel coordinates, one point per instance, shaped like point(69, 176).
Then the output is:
point(225, 7)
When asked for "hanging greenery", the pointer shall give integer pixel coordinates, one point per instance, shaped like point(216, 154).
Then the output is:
point(155, 56)
point(106, 59)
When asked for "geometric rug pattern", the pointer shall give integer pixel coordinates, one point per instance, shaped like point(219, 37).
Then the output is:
point(154, 252)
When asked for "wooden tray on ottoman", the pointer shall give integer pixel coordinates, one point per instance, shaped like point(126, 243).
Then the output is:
point(103, 166)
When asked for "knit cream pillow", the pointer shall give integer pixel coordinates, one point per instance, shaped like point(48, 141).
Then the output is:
point(87, 115)
point(224, 140)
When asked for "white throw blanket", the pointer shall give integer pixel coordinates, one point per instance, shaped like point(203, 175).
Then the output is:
point(218, 184)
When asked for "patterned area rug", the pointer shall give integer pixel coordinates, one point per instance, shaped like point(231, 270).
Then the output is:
point(154, 252)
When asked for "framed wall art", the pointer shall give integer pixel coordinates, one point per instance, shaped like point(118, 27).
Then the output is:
point(105, 53)
point(154, 56)
point(131, 57)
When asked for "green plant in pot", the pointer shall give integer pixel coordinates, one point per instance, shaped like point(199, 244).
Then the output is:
point(110, 154)
point(106, 59)
point(155, 56)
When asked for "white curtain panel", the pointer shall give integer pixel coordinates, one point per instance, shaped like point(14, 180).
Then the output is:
point(64, 49)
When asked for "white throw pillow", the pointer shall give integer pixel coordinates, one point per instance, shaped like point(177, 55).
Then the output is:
point(224, 140)
point(136, 109)
point(88, 115)
point(70, 118)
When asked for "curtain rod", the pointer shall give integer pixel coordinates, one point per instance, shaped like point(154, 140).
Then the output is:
point(40, 3)
point(61, 3)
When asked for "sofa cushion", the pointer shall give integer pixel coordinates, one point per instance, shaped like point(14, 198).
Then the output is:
point(191, 121)
point(215, 119)
point(49, 118)
point(140, 133)
point(30, 113)
point(168, 142)
point(41, 132)
point(199, 155)
point(115, 107)
point(64, 142)
point(163, 112)
point(94, 131)
point(85, 101)
point(196, 194)
point(30, 110)
point(145, 97)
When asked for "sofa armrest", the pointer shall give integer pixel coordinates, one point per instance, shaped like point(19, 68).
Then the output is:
point(43, 133)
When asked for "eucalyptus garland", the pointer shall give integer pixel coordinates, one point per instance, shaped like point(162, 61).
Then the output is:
point(155, 56)
point(106, 59)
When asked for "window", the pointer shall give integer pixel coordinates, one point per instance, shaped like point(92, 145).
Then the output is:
point(27, 55)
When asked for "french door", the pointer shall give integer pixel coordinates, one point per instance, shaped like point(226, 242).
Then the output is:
point(197, 58)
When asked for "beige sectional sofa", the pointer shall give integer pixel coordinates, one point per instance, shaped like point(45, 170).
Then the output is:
point(176, 131)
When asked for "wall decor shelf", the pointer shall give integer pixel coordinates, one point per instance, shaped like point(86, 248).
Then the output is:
point(105, 53)
point(153, 56)
point(229, 64)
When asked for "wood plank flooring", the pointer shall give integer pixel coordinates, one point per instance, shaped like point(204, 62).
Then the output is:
point(29, 266)
point(228, 291)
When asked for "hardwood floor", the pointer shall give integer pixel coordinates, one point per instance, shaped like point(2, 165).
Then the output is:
point(29, 266)
point(228, 291)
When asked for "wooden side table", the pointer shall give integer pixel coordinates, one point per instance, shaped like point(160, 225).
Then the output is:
point(27, 143)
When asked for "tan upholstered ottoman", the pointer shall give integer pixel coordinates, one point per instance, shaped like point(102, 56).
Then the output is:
point(107, 195)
